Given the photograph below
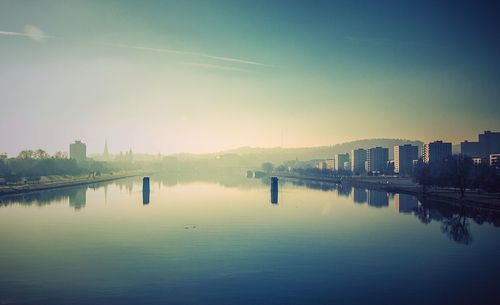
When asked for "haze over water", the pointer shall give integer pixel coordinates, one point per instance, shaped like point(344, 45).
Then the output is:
point(221, 241)
point(383, 94)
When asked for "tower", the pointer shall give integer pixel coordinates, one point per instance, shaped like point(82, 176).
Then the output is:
point(78, 151)
point(106, 152)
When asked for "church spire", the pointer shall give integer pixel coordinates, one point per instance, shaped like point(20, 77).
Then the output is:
point(106, 152)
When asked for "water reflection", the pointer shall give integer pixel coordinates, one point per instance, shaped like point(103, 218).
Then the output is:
point(456, 227)
point(78, 198)
point(75, 196)
point(215, 236)
point(344, 190)
point(454, 220)
point(227, 178)
point(125, 184)
point(378, 199)
point(404, 203)
point(360, 195)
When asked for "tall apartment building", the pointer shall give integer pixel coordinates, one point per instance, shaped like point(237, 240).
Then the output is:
point(471, 149)
point(489, 143)
point(494, 161)
point(78, 151)
point(328, 164)
point(403, 158)
point(358, 161)
point(376, 159)
point(340, 160)
point(436, 151)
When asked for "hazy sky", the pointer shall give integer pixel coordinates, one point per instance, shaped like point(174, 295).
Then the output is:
point(200, 76)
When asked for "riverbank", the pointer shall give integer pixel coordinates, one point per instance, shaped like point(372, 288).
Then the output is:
point(407, 186)
point(60, 182)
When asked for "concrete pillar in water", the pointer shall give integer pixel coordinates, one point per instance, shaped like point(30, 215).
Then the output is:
point(274, 190)
point(145, 190)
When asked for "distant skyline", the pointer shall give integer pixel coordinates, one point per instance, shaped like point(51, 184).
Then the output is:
point(205, 76)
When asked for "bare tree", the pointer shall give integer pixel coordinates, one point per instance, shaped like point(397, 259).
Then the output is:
point(61, 155)
point(457, 228)
point(461, 173)
point(25, 154)
point(40, 154)
point(423, 175)
point(267, 167)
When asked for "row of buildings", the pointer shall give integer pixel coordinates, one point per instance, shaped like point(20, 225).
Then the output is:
point(376, 159)
point(373, 160)
point(78, 151)
point(485, 150)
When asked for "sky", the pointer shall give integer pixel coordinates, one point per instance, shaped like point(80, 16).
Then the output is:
point(203, 76)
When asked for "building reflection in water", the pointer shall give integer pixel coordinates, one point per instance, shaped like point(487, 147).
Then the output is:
point(455, 220)
point(78, 198)
point(128, 185)
point(404, 203)
point(360, 195)
point(106, 193)
point(344, 190)
point(378, 199)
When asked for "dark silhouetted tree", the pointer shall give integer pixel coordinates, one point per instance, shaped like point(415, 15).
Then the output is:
point(25, 154)
point(40, 154)
point(61, 155)
point(267, 167)
point(457, 228)
point(460, 170)
point(423, 175)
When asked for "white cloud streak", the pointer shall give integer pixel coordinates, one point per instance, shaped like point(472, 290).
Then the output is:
point(12, 33)
point(212, 66)
point(386, 41)
point(31, 32)
point(38, 35)
point(172, 51)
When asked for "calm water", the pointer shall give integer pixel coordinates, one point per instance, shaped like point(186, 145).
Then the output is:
point(220, 240)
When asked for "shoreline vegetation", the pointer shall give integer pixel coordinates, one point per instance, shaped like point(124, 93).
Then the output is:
point(408, 186)
point(54, 182)
point(455, 179)
point(390, 184)
point(36, 170)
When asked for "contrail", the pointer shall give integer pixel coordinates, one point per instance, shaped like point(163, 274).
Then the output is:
point(172, 51)
point(235, 60)
point(211, 66)
point(12, 33)
point(38, 35)
point(31, 32)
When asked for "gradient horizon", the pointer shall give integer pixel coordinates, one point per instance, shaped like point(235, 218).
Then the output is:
point(203, 76)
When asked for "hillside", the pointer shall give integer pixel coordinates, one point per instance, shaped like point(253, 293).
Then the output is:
point(253, 155)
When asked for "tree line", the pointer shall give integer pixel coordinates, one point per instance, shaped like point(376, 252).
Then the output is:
point(302, 168)
point(457, 171)
point(32, 164)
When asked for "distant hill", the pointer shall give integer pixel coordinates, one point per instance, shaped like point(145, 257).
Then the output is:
point(277, 155)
